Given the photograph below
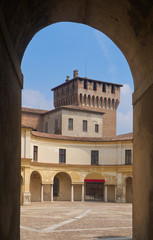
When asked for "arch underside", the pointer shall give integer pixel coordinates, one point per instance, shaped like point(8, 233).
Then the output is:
point(123, 24)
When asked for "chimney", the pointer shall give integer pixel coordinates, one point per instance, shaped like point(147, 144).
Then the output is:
point(67, 78)
point(75, 74)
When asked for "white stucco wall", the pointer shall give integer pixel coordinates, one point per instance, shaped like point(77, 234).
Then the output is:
point(79, 152)
point(78, 117)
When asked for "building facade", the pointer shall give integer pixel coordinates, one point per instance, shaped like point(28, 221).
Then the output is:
point(72, 152)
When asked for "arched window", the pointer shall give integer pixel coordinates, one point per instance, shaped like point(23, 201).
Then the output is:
point(109, 103)
point(89, 100)
point(81, 99)
point(84, 99)
point(113, 103)
point(93, 101)
point(97, 101)
point(105, 102)
point(101, 102)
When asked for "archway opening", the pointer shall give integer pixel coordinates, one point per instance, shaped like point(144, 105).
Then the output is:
point(35, 186)
point(62, 187)
point(94, 190)
point(94, 187)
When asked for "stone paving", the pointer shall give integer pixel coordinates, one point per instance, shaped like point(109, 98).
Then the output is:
point(76, 221)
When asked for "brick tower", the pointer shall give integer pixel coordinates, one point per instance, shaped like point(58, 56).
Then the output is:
point(90, 93)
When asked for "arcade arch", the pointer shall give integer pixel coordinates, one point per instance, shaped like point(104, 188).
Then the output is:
point(62, 187)
point(35, 186)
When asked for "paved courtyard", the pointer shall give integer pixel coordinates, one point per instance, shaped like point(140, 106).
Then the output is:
point(76, 221)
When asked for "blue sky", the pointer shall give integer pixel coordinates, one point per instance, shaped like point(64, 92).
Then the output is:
point(57, 50)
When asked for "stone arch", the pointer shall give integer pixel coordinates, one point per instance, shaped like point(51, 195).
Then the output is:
point(35, 186)
point(64, 186)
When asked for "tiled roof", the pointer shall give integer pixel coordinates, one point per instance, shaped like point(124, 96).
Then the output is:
point(26, 126)
point(33, 110)
point(124, 137)
point(77, 108)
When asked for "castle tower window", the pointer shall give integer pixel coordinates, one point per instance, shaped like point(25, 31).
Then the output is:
point(62, 155)
point(94, 157)
point(104, 87)
point(35, 153)
point(128, 156)
point(113, 103)
point(88, 100)
point(94, 86)
point(112, 89)
point(97, 128)
point(70, 124)
point(101, 102)
point(80, 98)
point(85, 127)
point(85, 84)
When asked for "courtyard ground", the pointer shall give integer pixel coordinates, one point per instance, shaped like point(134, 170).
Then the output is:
point(76, 221)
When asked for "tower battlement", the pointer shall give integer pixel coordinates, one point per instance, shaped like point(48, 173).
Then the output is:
point(90, 94)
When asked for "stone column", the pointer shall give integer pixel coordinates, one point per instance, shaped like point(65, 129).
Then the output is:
point(124, 193)
point(72, 193)
point(10, 135)
point(42, 192)
point(105, 193)
point(82, 192)
point(143, 164)
point(26, 193)
point(51, 193)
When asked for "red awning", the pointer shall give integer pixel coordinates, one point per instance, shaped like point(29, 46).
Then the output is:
point(94, 180)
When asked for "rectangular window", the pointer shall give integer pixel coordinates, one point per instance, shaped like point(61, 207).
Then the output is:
point(35, 153)
point(104, 87)
point(96, 127)
point(128, 157)
point(85, 126)
point(70, 124)
point(94, 157)
point(85, 84)
point(62, 155)
point(112, 89)
point(94, 86)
